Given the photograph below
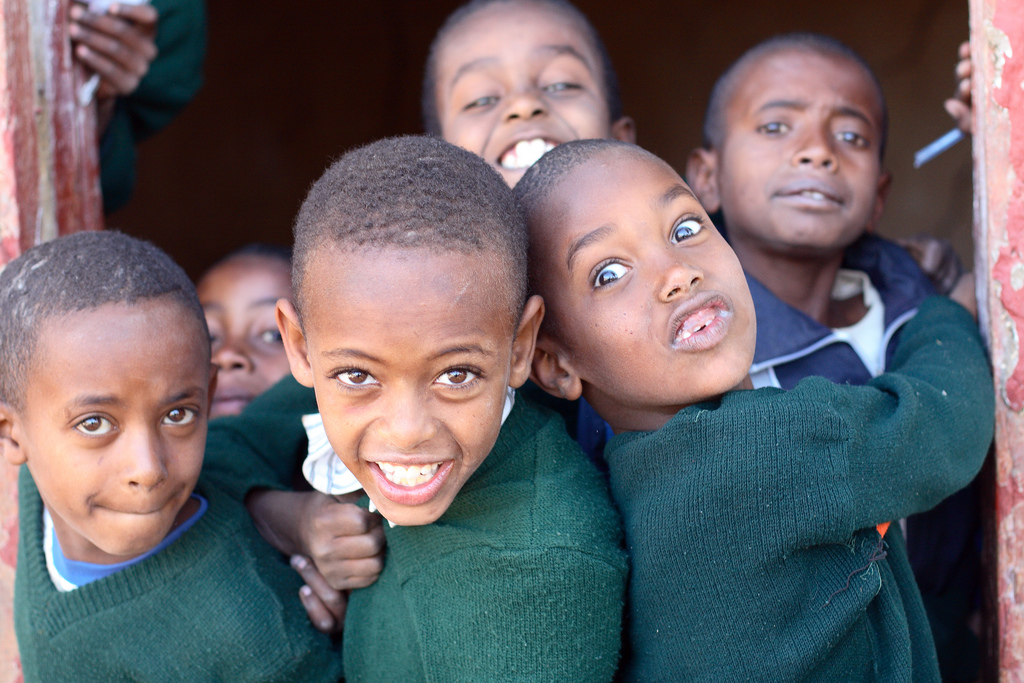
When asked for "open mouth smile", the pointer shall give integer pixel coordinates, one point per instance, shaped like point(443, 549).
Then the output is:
point(525, 153)
point(701, 324)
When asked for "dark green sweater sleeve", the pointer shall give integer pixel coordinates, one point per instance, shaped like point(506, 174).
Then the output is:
point(174, 78)
point(920, 432)
point(265, 445)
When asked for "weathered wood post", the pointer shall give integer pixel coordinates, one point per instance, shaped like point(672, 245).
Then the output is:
point(49, 186)
point(997, 46)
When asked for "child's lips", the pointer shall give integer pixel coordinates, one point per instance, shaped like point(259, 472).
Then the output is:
point(813, 193)
point(700, 324)
point(410, 483)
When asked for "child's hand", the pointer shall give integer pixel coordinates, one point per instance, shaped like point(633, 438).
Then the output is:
point(118, 45)
point(324, 605)
point(344, 541)
point(959, 106)
point(937, 259)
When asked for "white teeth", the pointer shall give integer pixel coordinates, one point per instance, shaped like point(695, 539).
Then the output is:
point(413, 475)
point(812, 194)
point(525, 153)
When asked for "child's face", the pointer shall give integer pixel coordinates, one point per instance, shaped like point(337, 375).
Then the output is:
point(239, 298)
point(514, 80)
point(649, 305)
point(114, 425)
point(410, 353)
point(798, 171)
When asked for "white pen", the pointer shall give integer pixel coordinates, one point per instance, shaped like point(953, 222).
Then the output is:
point(934, 149)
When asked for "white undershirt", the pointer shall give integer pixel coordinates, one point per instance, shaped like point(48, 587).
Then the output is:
point(867, 334)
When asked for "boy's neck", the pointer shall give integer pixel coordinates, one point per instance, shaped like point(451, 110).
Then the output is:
point(805, 283)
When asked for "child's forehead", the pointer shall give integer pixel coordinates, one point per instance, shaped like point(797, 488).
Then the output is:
point(789, 69)
point(485, 28)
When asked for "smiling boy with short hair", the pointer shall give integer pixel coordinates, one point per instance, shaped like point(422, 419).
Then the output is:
point(129, 567)
point(754, 519)
point(410, 332)
point(510, 79)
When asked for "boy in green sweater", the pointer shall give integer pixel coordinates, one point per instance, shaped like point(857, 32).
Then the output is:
point(410, 331)
point(756, 520)
point(129, 567)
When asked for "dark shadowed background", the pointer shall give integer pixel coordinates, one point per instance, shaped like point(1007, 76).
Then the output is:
point(290, 86)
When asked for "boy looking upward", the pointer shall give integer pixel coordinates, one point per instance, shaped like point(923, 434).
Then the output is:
point(794, 138)
point(410, 330)
point(753, 518)
point(127, 567)
point(510, 79)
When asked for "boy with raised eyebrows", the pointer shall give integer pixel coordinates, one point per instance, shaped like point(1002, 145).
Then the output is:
point(410, 331)
point(129, 566)
point(756, 521)
point(795, 135)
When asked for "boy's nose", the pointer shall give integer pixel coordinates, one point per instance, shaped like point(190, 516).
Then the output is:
point(817, 150)
point(408, 423)
point(525, 105)
point(679, 279)
point(144, 468)
point(230, 357)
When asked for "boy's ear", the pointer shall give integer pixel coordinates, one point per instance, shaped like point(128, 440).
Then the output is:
point(624, 130)
point(884, 183)
point(553, 371)
point(294, 342)
point(10, 438)
point(702, 176)
point(525, 341)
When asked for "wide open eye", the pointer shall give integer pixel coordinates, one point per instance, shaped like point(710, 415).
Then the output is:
point(456, 377)
point(609, 274)
point(178, 417)
point(356, 378)
point(685, 229)
point(94, 425)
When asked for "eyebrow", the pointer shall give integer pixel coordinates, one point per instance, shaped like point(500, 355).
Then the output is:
point(799, 104)
point(465, 348)
point(349, 353)
point(484, 61)
point(675, 192)
point(584, 241)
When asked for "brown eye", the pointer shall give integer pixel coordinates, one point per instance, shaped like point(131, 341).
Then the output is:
point(356, 378)
point(179, 416)
point(456, 377)
point(94, 425)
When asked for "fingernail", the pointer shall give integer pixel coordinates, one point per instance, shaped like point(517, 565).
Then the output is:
point(298, 562)
point(325, 625)
point(76, 12)
point(305, 591)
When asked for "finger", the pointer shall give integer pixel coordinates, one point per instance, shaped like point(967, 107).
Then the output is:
point(964, 50)
point(352, 574)
point(332, 599)
point(963, 70)
point(334, 549)
point(344, 519)
point(123, 82)
point(137, 14)
point(318, 614)
point(130, 58)
point(138, 38)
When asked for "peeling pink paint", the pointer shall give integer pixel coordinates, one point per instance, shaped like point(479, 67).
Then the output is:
point(1009, 18)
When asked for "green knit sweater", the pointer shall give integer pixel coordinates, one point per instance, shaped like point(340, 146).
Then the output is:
point(218, 604)
point(751, 520)
point(522, 579)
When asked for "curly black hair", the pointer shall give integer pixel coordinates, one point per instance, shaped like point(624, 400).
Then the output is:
point(412, 192)
point(79, 272)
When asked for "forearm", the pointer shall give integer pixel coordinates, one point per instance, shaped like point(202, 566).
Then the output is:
point(278, 515)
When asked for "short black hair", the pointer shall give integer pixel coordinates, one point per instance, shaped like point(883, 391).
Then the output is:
point(412, 192)
point(428, 101)
point(79, 272)
point(725, 86)
point(541, 178)
point(275, 252)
